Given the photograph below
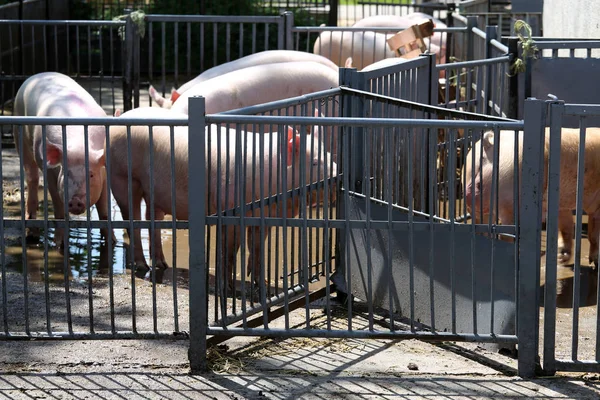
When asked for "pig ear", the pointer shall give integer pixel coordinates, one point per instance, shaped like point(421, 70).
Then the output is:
point(174, 95)
point(348, 63)
point(291, 133)
point(98, 158)
point(293, 148)
point(118, 112)
point(488, 140)
point(53, 154)
point(156, 96)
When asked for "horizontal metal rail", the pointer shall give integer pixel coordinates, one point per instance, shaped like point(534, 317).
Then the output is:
point(59, 22)
point(441, 111)
point(279, 104)
point(212, 18)
point(99, 335)
point(360, 334)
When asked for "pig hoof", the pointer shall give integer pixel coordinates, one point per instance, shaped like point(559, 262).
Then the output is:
point(32, 235)
point(104, 235)
point(140, 270)
point(564, 257)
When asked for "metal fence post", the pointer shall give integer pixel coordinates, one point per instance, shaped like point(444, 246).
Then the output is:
point(127, 61)
point(288, 36)
point(491, 32)
point(529, 236)
point(333, 12)
point(471, 23)
point(135, 71)
point(354, 106)
point(450, 9)
point(426, 94)
point(556, 110)
point(513, 81)
point(198, 301)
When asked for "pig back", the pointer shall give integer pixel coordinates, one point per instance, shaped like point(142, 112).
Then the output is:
point(160, 171)
point(259, 84)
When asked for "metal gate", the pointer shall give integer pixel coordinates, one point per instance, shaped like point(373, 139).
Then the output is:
point(383, 229)
point(571, 337)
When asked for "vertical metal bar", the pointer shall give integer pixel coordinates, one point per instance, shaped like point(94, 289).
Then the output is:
point(46, 274)
point(132, 232)
point(150, 55)
point(197, 224)
point(110, 233)
point(174, 230)
point(288, 26)
point(188, 54)
point(128, 68)
point(88, 227)
point(176, 50)
point(65, 166)
point(23, 232)
point(470, 36)
point(578, 217)
point(136, 67)
point(368, 148)
point(491, 32)
point(163, 38)
point(530, 237)
point(150, 210)
point(556, 113)
point(3, 256)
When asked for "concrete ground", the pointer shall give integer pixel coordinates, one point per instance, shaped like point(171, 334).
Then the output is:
point(267, 369)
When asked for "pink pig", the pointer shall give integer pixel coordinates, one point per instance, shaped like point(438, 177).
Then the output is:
point(260, 84)
point(51, 94)
point(260, 58)
point(436, 44)
point(315, 163)
point(480, 188)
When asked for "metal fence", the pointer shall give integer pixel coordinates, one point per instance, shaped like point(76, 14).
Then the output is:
point(370, 219)
point(196, 44)
point(484, 85)
point(378, 190)
point(82, 289)
point(115, 63)
point(555, 60)
point(488, 14)
point(351, 13)
point(89, 51)
point(571, 338)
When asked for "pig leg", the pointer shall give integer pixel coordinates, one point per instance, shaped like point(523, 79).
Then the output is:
point(157, 249)
point(254, 239)
point(32, 178)
point(102, 207)
point(593, 232)
point(230, 243)
point(57, 204)
point(119, 189)
point(565, 240)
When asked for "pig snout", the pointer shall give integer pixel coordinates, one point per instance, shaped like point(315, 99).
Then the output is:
point(76, 206)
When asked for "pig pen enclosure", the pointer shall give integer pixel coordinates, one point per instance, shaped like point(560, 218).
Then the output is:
point(390, 229)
